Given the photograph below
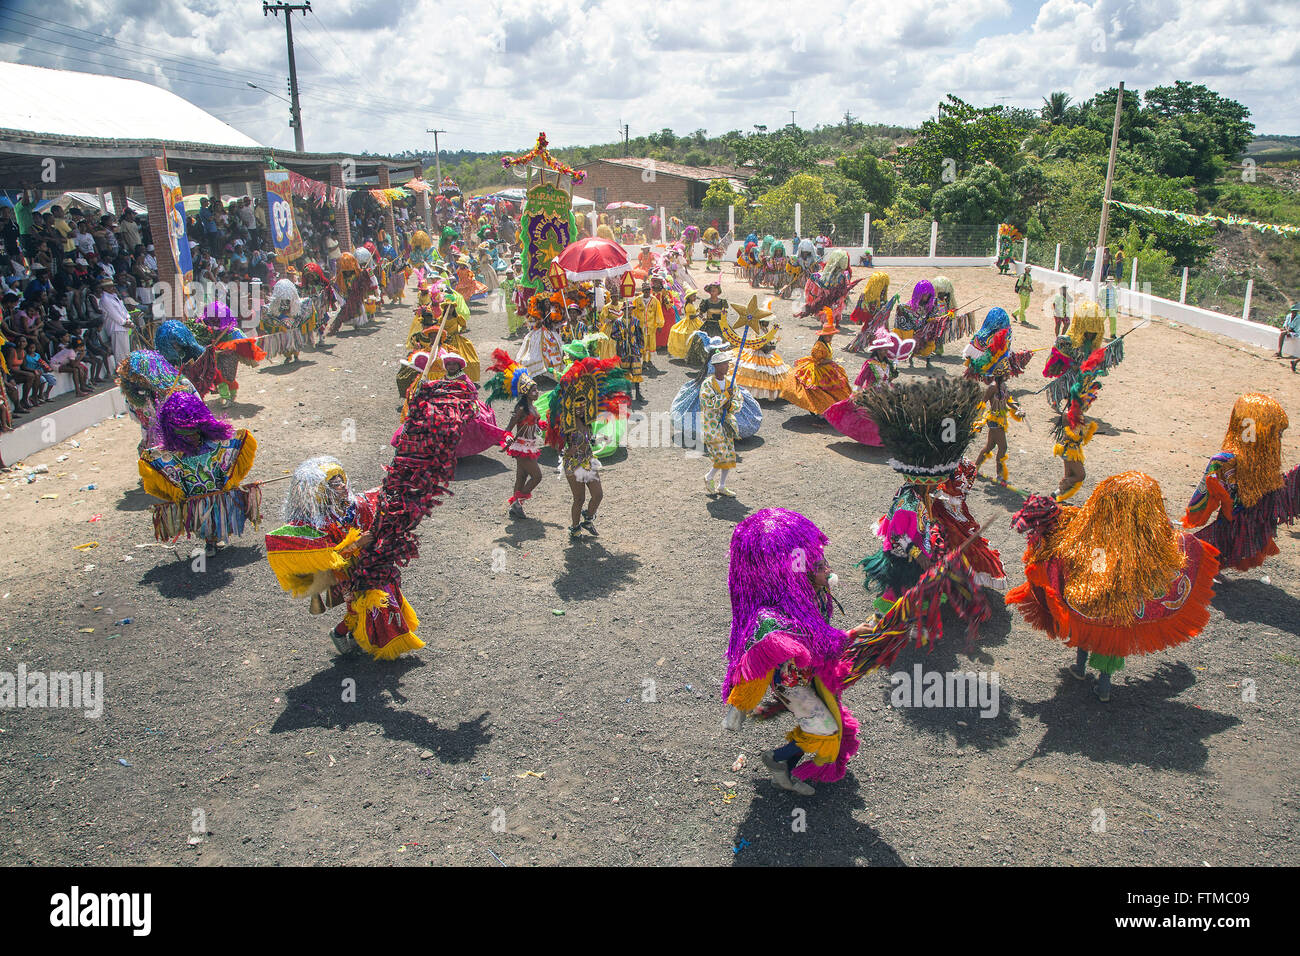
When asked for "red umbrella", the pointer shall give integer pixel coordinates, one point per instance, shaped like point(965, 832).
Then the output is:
point(593, 258)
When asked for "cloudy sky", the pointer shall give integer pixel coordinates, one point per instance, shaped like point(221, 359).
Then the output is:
point(376, 74)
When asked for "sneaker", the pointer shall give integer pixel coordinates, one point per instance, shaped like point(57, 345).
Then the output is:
point(1078, 674)
point(575, 532)
point(710, 486)
point(343, 643)
point(210, 551)
point(726, 491)
point(517, 510)
point(591, 528)
point(781, 776)
point(1103, 694)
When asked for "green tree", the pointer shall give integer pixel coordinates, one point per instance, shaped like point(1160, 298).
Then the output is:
point(1229, 120)
point(983, 196)
point(1054, 107)
point(775, 210)
point(960, 138)
point(873, 176)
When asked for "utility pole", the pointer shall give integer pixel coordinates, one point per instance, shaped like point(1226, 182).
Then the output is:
point(625, 147)
point(1099, 254)
point(295, 112)
point(437, 153)
point(792, 117)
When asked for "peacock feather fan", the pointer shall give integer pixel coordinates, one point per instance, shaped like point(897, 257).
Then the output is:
point(927, 426)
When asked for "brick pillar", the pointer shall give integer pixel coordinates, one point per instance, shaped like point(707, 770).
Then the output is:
point(386, 182)
point(425, 214)
point(342, 220)
point(119, 201)
point(171, 303)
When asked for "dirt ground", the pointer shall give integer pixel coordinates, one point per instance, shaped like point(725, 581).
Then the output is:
point(520, 735)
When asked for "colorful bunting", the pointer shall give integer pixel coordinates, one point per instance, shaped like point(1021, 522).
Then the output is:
point(1192, 219)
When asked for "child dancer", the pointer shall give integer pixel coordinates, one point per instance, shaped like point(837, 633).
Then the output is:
point(524, 441)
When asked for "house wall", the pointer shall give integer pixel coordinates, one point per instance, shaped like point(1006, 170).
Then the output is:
point(628, 184)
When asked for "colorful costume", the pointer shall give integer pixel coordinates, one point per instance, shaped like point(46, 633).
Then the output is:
point(760, 368)
point(781, 639)
point(196, 468)
point(878, 371)
point(928, 427)
point(353, 285)
point(1008, 235)
point(542, 350)
point(1071, 428)
point(818, 381)
point(146, 380)
point(872, 311)
point(921, 320)
point(512, 380)
point(1245, 485)
point(648, 313)
point(586, 391)
point(685, 409)
point(455, 313)
point(226, 347)
point(720, 403)
point(1113, 578)
point(679, 336)
point(629, 341)
point(829, 288)
point(287, 323)
point(992, 362)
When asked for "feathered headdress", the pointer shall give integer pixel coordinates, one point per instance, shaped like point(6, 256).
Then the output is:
point(511, 379)
point(177, 342)
point(310, 500)
point(927, 426)
point(581, 396)
point(146, 379)
point(997, 360)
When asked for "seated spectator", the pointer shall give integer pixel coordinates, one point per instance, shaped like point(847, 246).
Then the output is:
point(66, 360)
point(15, 354)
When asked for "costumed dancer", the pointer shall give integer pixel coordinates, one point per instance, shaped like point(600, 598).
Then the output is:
point(878, 371)
point(1112, 578)
point(760, 367)
point(920, 319)
point(829, 288)
point(1071, 428)
point(713, 310)
point(872, 312)
point(818, 381)
point(650, 316)
point(993, 366)
point(720, 403)
point(523, 441)
point(679, 336)
point(455, 315)
point(629, 341)
point(218, 329)
point(177, 343)
point(569, 430)
point(670, 308)
point(542, 350)
point(147, 380)
point(480, 431)
point(280, 327)
point(781, 640)
point(1007, 237)
point(196, 468)
point(341, 548)
point(684, 412)
point(352, 286)
point(927, 427)
point(1244, 490)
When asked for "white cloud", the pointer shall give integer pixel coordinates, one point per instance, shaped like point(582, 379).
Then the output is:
point(375, 75)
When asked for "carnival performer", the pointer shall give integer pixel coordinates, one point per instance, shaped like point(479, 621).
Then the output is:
point(146, 381)
point(629, 341)
point(1007, 236)
point(1151, 592)
point(956, 524)
point(1087, 328)
point(542, 350)
point(712, 250)
point(871, 312)
point(921, 320)
point(670, 308)
point(569, 430)
point(720, 403)
point(1024, 288)
point(523, 441)
point(649, 314)
point(455, 313)
point(345, 549)
point(421, 245)
point(217, 329)
point(1072, 429)
point(196, 466)
point(679, 336)
point(818, 381)
point(1244, 490)
point(352, 287)
point(829, 288)
point(927, 427)
point(177, 343)
point(713, 310)
point(281, 330)
point(993, 366)
point(781, 641)
point(879, 370)
point(684, 412)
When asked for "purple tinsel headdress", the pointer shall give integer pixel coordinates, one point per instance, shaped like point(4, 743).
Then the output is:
point(922, 294)
point(186, 410)
point(217, 315)
point(772, 552)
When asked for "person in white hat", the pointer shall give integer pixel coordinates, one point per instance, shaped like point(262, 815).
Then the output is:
point(719, 403)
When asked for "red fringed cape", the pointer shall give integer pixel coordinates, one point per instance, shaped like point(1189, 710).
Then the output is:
point(1171, 619)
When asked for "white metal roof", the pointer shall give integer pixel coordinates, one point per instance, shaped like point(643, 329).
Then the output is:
point(34, 99)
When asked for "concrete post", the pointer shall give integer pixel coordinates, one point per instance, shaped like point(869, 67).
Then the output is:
point(1245, 307)
point(798, 219)
point(425, 214)
point(934, 236)
point(866, 230)
point(1182, 294)
point(1056, 266)
point(342, 219)
point(663, 225)
point(1024, 253)
point(1133, 277)
point(731, 221)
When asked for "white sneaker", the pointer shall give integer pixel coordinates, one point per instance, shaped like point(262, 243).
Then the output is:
point(344, 644)
point(781, 776)
point(710, 486)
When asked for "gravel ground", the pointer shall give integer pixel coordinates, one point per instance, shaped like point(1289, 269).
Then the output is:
point(521, 736)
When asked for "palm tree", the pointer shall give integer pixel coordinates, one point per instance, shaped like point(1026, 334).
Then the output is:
point(1054, 105)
